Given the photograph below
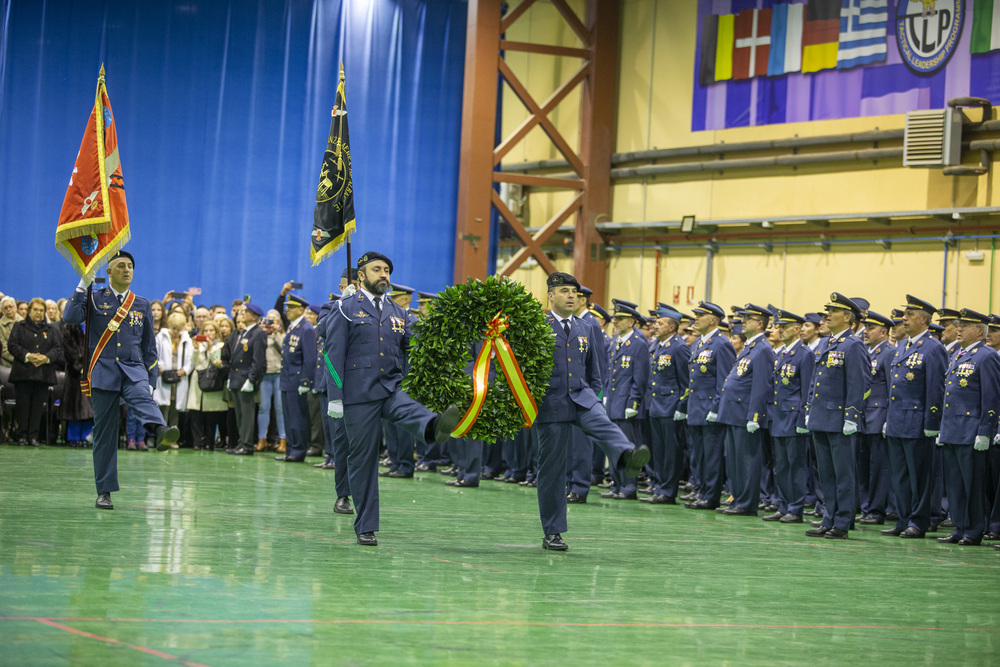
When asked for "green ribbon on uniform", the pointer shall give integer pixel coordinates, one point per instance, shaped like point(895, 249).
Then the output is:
point(333, 371)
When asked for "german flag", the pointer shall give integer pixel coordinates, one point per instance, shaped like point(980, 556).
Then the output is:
point(820, 35)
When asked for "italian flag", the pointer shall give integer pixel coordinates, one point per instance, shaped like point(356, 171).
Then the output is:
point(985, 26)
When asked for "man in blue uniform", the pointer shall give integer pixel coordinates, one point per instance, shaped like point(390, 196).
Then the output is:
point(873, 455)
point(625, 388)
point(968, 424)
point(571, 400)
point(247, 363)
point(793, 371)
point(583, 452)
point(398, 443)
point(334, 431)
point(298, 365)
point(835, 412)
point(668, 384)
point(913, 421)
point(126, 367)
point(367, 337)
point(743, 410)
point(712, 358)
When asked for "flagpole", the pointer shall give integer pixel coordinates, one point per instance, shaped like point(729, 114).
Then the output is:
point(350, 276)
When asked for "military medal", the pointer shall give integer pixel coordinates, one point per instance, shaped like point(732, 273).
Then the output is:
point(703, 368)
point(626, 361)
point(246, 346)
point(112, 326)
point(583, 343)
point(784, 381)
point(963, 383)
point(909, 376)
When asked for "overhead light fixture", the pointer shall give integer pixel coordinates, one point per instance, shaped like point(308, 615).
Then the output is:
point(687, 224)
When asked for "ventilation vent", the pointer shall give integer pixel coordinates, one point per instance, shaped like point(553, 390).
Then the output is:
point(933, 138)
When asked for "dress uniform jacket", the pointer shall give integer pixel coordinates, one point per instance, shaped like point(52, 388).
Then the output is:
point(877, 403)
point(747, 388)
point(710, 364)
point(246, 358)
point(972, 396)
point(576, 375)
point(793, 371)
point(839, 382)
point(669, 377)
point(298, 357)
point(916, 388)
point(628, 377)
point(131, 350)
point(374, 369)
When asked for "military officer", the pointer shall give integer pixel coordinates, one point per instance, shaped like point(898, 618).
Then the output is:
point(810, 331)
point(743, 409)
point(571, 401)
point(668, 382)
point(400, 444)
point(334, 432)
point(873, 455)
point(625, 389)
point(948, 319)
point(123, 365)
point(298, 366)
point(793, 371)
point(711, 361)
point(367, 338)
point(916, 395)
point(835, 412)
point(247, 363)
point(968, 424)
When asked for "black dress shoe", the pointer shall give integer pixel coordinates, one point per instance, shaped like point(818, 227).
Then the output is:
point(911, 533)
point(529, 483)
point(608, 494)
point(554, 543)
point(815, 524)
point(892, 532)
point(244, 451)
point(367, 540)
point(933, 528)
point(314, 451)
point(997, 547)
point(689, 497)
point(791, 518)
point(635, 459)
point(871, 520)
point(33, 442)
point(324, 464)
point(721, 510)
point(166, 436)
point(738, 511)
point(288, 459)
point(991, 537)
point(445, 423)
point(461, 483)
point(947, 523)
point(575, 498)
point(658, 499)
point(104, 502)
point(969, 542)
point(836, 534)
point(399, 474)
point(384, 473)
point(231, 450)
point(343, 506)
point(770, 507)
point(701, 505)
point(423, 467)
point(625, 496)
point(818, 532)
point(950, 539)
point(773, 517)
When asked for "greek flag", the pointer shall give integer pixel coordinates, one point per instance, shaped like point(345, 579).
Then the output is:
point(862, 32)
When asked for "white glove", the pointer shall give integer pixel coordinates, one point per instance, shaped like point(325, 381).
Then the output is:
point(629, 413)
point(335, 409)
point(850, 428)
point(711, 417)
point(752, 427)
point(247, 386)
point(883, 430)
point(303, 390)
point(930, 434)
point(349, 290)
point(151, 390)
point(996, 439)
point(807, 421)
point(85, 282)
point(604, 401)
point(682, 417)
point(982, 443)
point(937, 441)
point(801, 431)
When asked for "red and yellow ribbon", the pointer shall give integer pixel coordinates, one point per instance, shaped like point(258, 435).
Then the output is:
point(493, 340)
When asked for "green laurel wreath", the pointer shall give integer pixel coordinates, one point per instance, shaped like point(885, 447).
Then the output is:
point(443, 344)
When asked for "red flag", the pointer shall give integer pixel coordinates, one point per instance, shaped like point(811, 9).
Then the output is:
point(93, 223)
point(752, 45)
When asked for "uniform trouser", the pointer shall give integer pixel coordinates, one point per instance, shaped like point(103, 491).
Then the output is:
point(620, 482)
point(835, 459)
point(29, 397)
point(708, 443)
point(364, 436)
point(246, 422)
point(553, 448)
point(399, 444)
point(336, 449)
point(203, 425)
point(873, 474)
point(666, 455)
point(581, 463)
point(768, 485)
point(965, 476)
point(296, 409)
point(743, 462)
point(138, 398)
point(993, 489)
point(791, 471)
point(492, 458)
point(938, 501)
point(468, 457)
point(910, 461)
point(515, 454)
point(316, 408)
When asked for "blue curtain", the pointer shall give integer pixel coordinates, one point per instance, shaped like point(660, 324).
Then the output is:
point(223, 110)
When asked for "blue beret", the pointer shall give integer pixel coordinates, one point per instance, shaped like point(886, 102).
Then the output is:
point(315, 307)
point(813, 318)
point(255, 309)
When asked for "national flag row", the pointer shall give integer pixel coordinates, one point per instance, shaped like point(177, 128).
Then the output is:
point(812, 36)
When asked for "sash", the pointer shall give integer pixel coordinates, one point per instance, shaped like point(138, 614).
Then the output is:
point(105, 337)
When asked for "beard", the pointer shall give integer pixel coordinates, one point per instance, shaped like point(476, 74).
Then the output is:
point(378, 288)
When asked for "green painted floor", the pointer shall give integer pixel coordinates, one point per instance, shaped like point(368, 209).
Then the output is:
point(210, 559)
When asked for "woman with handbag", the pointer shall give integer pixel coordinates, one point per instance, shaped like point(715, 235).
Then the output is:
point(176, 354)
point(206, 404)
